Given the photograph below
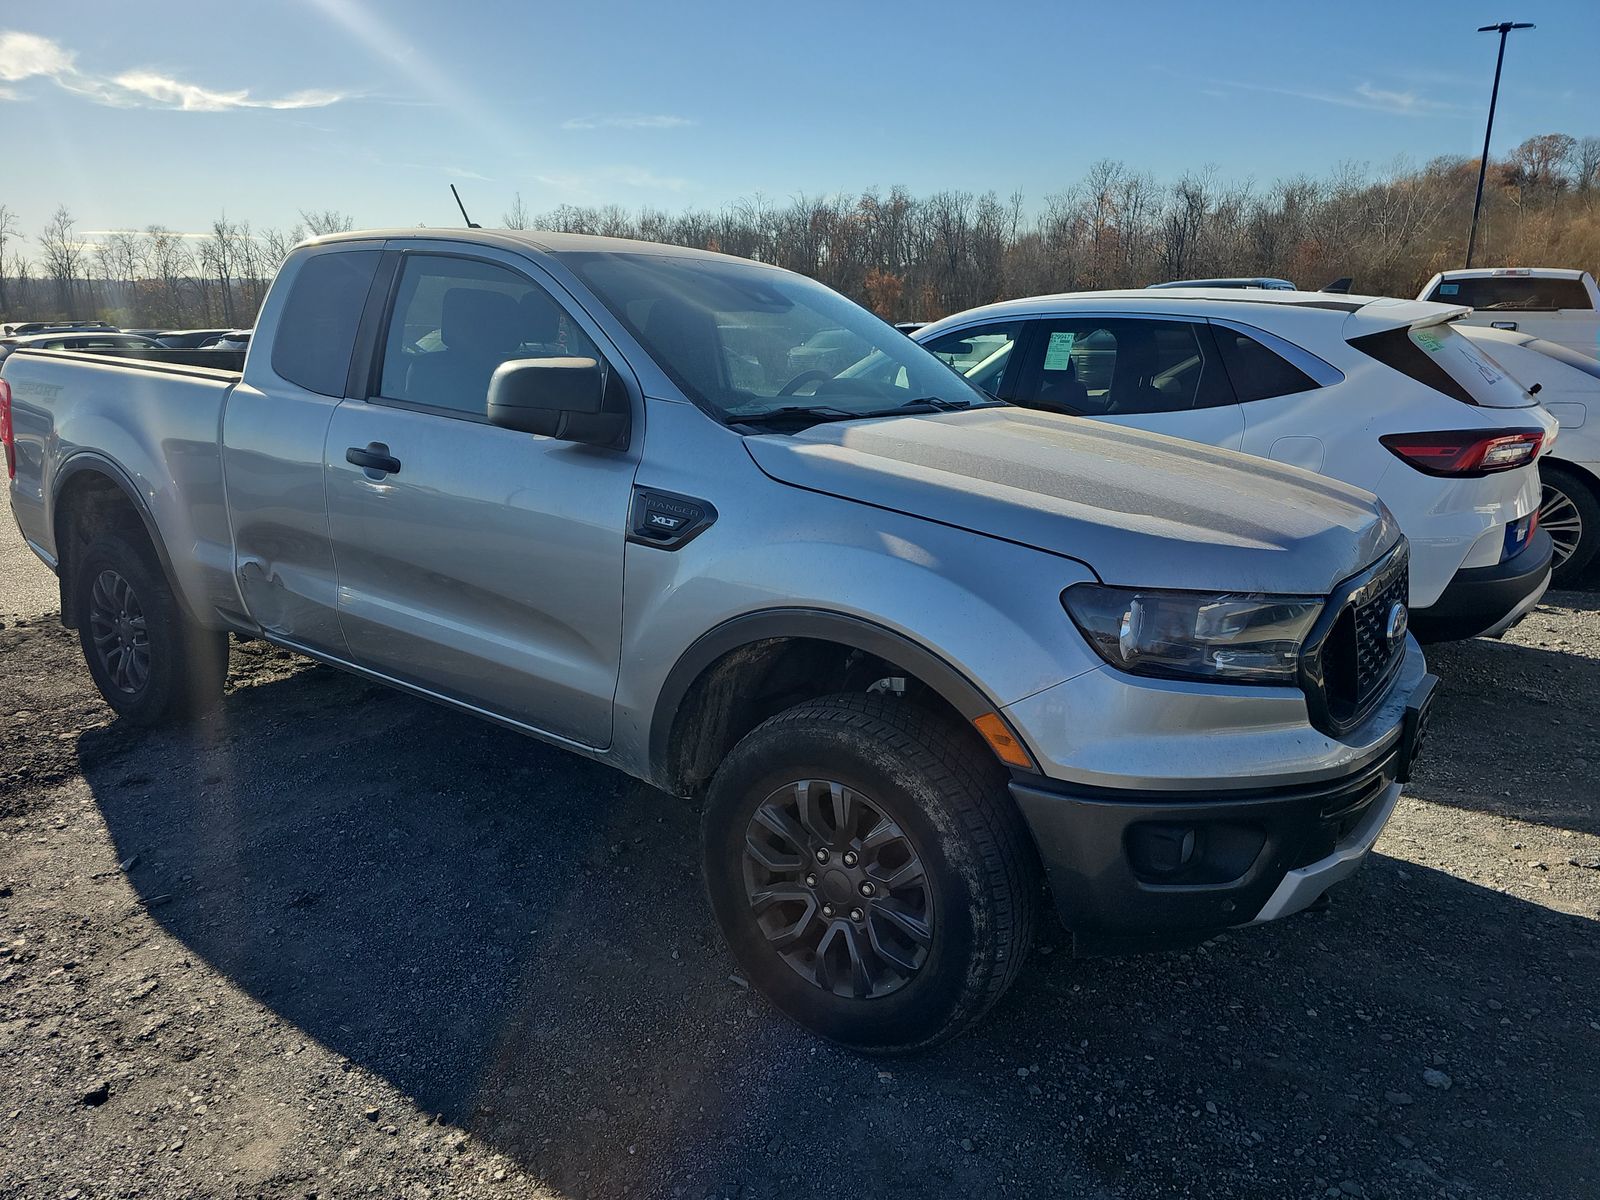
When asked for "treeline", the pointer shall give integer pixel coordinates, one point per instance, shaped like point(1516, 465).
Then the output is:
point(917, 258)
point(148, 277)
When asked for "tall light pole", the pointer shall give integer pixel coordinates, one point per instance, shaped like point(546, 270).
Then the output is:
point(1503, 28)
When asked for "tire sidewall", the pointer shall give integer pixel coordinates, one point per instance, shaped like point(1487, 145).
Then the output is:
point(918, 1011)
point(162, 628)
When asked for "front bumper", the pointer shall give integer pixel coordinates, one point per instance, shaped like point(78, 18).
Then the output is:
point(1488, 600)
point(1144, 869)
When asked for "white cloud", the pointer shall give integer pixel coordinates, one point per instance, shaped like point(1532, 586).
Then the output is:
point(28, 56)
point(24, 55)
point(1364, 96)
point(624, 121)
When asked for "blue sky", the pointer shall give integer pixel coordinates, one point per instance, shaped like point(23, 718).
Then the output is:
point(131, 114)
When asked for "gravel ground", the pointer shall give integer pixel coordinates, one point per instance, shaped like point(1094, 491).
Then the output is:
point(335, 941)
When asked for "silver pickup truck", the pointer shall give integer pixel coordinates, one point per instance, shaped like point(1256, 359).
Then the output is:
point(925, 658)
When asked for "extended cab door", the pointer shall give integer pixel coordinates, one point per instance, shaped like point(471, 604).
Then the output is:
point(274, 429)
point(478, 563)
point(1157, 373)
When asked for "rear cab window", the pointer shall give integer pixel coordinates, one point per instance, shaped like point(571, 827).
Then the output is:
point(1514, 293)
point(317, 332)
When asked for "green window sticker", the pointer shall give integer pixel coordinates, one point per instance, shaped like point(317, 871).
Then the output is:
point(1058, 355)
point(1428, 340)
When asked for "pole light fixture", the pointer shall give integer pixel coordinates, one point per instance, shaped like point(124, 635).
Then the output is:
point(1502, 28)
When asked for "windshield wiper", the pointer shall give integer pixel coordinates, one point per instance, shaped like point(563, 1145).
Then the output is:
point(923, 405)
point(795, 414)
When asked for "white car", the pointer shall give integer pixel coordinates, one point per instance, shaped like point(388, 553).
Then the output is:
point(1568, 386)
point(1376, 392)
point(1557, 304)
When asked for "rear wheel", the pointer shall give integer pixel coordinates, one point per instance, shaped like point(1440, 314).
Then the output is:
point(870, 872)
point(151, 662)
point(1570, 514)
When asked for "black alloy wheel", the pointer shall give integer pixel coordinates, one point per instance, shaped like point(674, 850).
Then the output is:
point(119, 632)
point(838, 888)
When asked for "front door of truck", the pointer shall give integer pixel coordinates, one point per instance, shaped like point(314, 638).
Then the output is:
point(478, 563)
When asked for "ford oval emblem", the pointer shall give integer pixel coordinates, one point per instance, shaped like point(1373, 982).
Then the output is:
point(1398, 622)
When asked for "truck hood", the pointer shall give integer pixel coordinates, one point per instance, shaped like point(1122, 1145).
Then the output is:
point(1139, 509)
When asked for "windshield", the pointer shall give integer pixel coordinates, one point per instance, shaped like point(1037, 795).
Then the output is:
point(747, 341)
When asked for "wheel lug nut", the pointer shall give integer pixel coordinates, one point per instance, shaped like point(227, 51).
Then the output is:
point(867, 889)
point(822, 856)
point(855, 914)
point(811, 881)
point(827, 910)
point(849, 858)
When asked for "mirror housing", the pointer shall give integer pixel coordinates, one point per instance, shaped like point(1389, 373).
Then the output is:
point(571, 399)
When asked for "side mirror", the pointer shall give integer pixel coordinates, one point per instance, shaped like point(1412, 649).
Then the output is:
point(566, 398)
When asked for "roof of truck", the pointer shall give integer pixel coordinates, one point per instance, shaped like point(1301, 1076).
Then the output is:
point(1524, 272)
point(550, 242)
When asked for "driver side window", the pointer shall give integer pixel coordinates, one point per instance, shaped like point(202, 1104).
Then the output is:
point(456, 319)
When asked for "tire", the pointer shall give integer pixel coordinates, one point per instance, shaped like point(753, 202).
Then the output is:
point(151, 662)
point(1569, 510)
point(935, 954)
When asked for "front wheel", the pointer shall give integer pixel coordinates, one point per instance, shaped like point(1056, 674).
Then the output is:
point(1570, 513)
point(869, 871)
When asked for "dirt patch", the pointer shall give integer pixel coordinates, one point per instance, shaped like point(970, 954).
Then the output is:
point(334, 940)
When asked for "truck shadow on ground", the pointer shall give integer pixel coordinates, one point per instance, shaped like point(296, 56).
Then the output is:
point(518, 939)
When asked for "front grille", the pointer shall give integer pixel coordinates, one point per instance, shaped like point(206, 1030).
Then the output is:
point(1350, 658)
point(1375, 652)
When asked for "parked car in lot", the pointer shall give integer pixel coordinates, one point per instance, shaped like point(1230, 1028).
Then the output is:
point(232, 339)
point(1556, 304)
point(1379, 393)
point(76, 341)
point(28, 328)
point(188, 339)
point(1264, 282)
point(827, 352)
point(913, 645)
point(1568, 386)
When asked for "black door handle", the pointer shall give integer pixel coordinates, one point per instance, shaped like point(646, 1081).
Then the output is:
point(375, 457)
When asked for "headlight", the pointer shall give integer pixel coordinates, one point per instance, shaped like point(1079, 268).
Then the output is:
point(1194, 635)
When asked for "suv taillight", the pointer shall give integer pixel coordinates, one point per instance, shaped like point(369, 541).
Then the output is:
point(6, 435)
point(1466, 452)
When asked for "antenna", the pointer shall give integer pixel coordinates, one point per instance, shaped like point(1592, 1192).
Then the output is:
point(463, 208)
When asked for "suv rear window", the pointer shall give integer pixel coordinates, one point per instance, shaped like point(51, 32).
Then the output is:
point(1514, 293)
point(317, 330)
point(1439, 357)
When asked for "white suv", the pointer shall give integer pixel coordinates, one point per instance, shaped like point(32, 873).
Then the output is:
point(1380, 393)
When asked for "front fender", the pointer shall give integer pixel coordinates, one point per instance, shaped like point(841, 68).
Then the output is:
point(976, 618)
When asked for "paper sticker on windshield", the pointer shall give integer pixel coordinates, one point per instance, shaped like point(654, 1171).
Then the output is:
point(1428, 340)
point(1058, 355)
point(1449, 289)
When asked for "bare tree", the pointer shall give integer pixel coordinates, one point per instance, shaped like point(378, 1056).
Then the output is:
point(63, 260)
point(9, 234)
point(327, 221)
point(517, 216)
